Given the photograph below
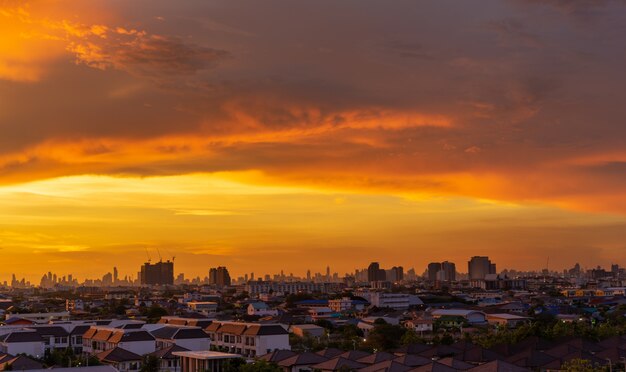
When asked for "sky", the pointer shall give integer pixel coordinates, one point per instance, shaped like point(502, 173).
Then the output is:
point(299, 134)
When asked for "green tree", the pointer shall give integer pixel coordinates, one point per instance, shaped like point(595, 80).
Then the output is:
point(410, 337)
point(385, 337)
point(233, 365)
point(260, 366)
point(581, 365)
point(155, 312)
point(150, 363)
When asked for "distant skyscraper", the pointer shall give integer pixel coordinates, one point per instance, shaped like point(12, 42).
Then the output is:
point(441, 271)
point(115, 275)
point(433, 269)
point(398, 273)
point(449, 271)
point(375, 273)
point(219, 277)
point(160, 273)
point(479, 267)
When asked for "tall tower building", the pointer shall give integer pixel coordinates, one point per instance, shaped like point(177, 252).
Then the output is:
point(375, 273)
point(433, 269)
point(160, 273)
point(449, 271)
point(219, 277)
point(479, 267)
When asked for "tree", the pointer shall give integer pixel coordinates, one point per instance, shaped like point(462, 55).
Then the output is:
point(233, 365)
point(155, 312)
point(581, 365)
point(150, 363)
point(385, 337)
point(260, 366)
point(411, 337)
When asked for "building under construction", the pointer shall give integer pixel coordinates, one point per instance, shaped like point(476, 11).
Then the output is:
point(160, 273)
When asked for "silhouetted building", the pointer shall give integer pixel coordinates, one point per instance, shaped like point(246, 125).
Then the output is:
point(433, 269)
point(399, 273)
point(375, 273)
point(219, 276)
point(441, 271)
point(479, 267)
point(448, 272)
point(160, 273)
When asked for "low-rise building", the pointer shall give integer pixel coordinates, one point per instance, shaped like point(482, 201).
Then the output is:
point(190, 338)
point(472, 317)
point(507, 320)
point(261, 309)
point(248, 339)
point(311, 330)
point(195, 361)
point(99, 339)
point(203, 307)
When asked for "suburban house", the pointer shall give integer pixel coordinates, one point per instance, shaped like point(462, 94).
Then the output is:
point(99, 339)
point(261, 309)
point(190, 338)
point(248, 339)
point(123, 360)
point(472, 317)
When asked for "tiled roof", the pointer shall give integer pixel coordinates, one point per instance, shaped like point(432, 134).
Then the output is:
point(412, 360)
point(498, 366)
point(231, 328)
point(306, 358)
point(167, 352)
point(277, 355)
point(355, 354)
point(377, 358)
point(386, 366)
point(80, 330)
point(52, 331)
point(117, 355)
point(102, 335)
point(21, 337)
point(330, 352)
point(132, 336)
point(265, 330)
point(337, 364)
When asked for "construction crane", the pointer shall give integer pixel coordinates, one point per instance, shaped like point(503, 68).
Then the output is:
point(148, 254)
point(159, 252)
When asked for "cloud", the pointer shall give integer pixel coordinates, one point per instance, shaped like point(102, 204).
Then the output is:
point(141, 54)
point(499, 107)
point(33, 35)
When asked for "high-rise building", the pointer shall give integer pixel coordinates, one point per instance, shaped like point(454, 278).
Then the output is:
point(160, 273)
point(448, 271)
point(433, 269)
point(375, 273)
point(219, 276)
point(479, 267)
point(398, 273)
point(441, 271)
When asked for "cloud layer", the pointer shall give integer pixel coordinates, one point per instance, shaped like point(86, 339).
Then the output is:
point(518, 101)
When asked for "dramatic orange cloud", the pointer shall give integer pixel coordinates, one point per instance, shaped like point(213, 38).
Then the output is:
point(517, 109)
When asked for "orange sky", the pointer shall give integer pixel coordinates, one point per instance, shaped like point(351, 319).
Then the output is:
point(340, 133)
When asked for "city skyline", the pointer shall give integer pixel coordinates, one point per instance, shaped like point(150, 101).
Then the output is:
point(114, 277)
point(295, 135)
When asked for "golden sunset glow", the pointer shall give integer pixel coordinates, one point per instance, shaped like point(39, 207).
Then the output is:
point(298, 135)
